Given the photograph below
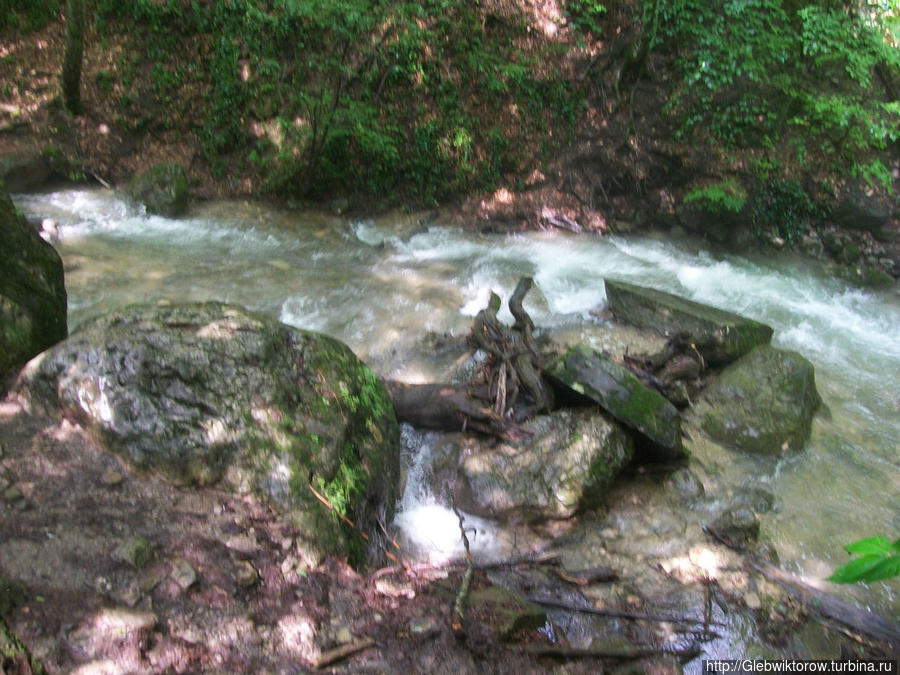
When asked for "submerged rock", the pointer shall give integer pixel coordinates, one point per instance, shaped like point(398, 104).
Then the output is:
point(32, 291)
point(162, 189)
point(764, 403)
point(568, 464)
point(209, 392)
point(737, 527)
point(720, 336)
point(619, 392)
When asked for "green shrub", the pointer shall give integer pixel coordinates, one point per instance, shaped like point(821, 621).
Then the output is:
point(782, 208)
point(758, 73)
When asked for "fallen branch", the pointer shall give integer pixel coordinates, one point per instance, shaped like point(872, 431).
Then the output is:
point(342, 652)
point(448, 407)
point(625, 652)
point(854, 622)
point(629, 652)
point(637, 616)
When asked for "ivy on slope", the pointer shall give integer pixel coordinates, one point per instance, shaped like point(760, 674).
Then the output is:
point(423, 99)
point(805, 79)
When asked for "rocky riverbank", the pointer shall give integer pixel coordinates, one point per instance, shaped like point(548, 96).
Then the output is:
point(668, 564)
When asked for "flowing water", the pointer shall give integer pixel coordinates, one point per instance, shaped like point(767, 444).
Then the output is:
point(381, 284)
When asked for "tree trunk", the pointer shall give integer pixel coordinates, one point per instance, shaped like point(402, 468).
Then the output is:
point(71, 72)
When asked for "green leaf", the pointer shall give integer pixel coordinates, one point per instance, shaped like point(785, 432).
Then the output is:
point(855, 570)
point(870, 546)
point(886, 569)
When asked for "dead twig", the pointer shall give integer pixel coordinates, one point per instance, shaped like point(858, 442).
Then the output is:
point(342, 652)
point(462, 596)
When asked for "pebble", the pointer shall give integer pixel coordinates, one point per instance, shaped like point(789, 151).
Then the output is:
point(112, 478)
point(183, 574)
point(247, 575)
point(752, 601)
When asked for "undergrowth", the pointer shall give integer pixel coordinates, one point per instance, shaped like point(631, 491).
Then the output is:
point(419, 100)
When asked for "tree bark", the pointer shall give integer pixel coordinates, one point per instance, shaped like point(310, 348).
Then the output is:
point(71, 71)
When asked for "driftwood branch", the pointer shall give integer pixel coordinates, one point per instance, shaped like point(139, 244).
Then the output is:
point(487, 403)
point(624, 652)
point(637, 616)
point(855, 622)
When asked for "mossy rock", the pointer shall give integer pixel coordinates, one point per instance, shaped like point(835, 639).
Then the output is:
point(763, 403)
point(720, 336)
point(619, 392)
point(162, 189)
point(207, 393)
point(32, 291)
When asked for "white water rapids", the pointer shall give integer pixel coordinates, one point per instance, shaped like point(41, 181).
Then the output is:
point(380, 285)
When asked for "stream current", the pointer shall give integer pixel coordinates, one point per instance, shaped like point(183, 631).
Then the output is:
point(380, 285)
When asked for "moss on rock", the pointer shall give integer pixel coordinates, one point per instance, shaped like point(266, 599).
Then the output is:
point(205, 392)
point(762, 403)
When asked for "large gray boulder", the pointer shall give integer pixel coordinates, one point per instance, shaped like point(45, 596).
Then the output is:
point(162, 189)
point(209, 392)
point(32, 292)
point(763, 403)
point(720, 336)
point(619, 392)
point(570, 461)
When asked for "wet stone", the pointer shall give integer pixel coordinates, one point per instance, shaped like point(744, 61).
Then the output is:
point(736, 527)
point(684, 483)
point(756, 498)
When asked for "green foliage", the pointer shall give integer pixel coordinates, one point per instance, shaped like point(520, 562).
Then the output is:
point(726, 195)
point(27, 15)
point(319, 97)
point(877, 558)
point(756, 73)
point(782, 208)
point(585, 15)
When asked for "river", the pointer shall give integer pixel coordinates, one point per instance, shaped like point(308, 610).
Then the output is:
point(381, 284)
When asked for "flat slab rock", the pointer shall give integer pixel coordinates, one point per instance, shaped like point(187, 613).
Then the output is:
point(720, 336)
point(620, 393)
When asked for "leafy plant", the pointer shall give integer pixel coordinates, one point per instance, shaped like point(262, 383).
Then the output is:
point(726, 195)
point(586, 15)
point(877, 559)
point(755, 73)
